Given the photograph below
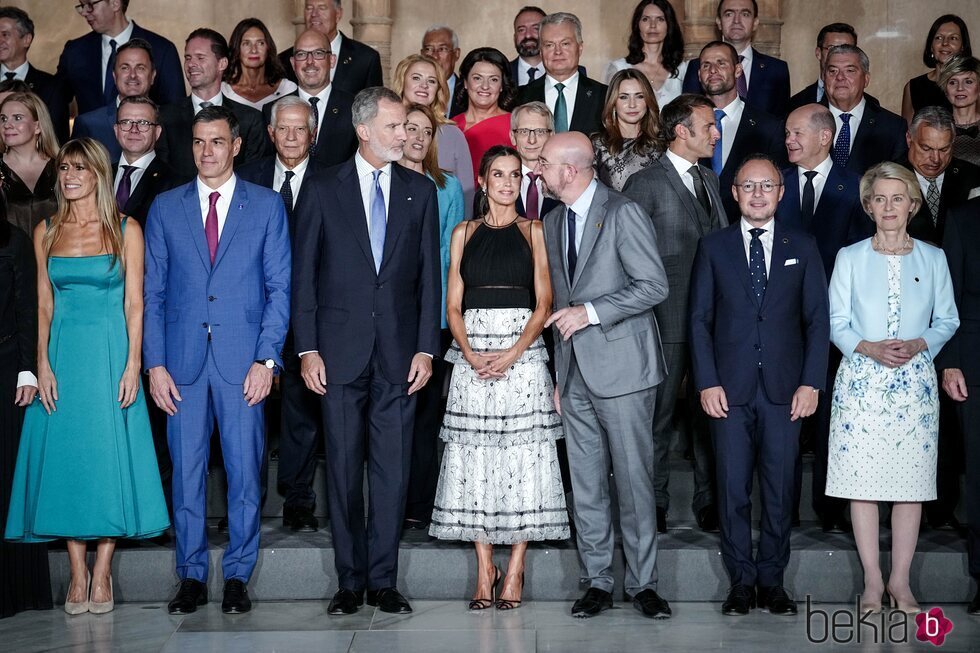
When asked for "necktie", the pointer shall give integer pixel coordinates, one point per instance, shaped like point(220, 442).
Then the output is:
point(809, 199)
point(740, 83)
point(716, 164)
point(109, 85)
point(932, 199)
point(10, 76)
point(211, 225)
point(206, 105)
point(532, 74)
point(286, 190)
point(379, 222)
point(842, 146)
point(125, 187)
point(699, 189)
point(572, 252)
point(316, 122)
point(561, 111)
point(757, 264)
point(531, 205)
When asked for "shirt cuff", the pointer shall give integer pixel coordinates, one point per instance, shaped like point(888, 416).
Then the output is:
point(425, 353)
point(304, 353)
point(26, 378)
point(593, 316)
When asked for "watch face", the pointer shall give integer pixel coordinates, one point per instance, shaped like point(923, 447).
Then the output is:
point(270, 363)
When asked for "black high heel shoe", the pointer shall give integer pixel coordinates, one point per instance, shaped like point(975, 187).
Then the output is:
point(483, 604)
point(511, 604)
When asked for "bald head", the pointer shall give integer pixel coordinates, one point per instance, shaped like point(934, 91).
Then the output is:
point(573, 148)
point(565, 166)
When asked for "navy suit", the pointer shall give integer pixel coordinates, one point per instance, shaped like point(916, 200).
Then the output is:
point(50, 89)
point(768, 83)
point(760, 351)
point(358, 66)
point(809, 96)
point(98, 124)
point(541, 72)
point(367, 325)
point(880, 137)
point(81, 72)
point(156, 179)
point(589, 99)
point(960, 178)
point(336, 139)
point(207, 324)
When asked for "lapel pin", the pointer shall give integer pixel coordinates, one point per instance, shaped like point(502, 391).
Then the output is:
point(588, 93)
point(408, 199)
point(752, 122)
point(917, 279)
point(785, 241)
point(956, 171)
point(335, 111)
point(347, 60)
point(598, 225)
point(241, 206)
point(840, 187)
point(762, 65)
point(871, 121)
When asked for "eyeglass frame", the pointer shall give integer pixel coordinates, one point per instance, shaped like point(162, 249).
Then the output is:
point(303, 55)
point(85, 7)
point(140, 124)
point(539, 132)
point(749, 186)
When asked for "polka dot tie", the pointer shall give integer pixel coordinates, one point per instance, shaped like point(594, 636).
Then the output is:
point(757, 264)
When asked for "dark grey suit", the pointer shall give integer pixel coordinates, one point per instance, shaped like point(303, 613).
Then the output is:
point(607, 378)
point(680, 221)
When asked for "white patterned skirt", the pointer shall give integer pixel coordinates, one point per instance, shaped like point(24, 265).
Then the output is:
point(500, 482)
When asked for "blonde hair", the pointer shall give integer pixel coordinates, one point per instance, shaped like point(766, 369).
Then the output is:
point(441, 101)
point(93, 155)
point(47, 142)
point(893, 171)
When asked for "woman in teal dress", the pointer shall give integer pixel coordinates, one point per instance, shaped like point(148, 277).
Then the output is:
point(86, 469)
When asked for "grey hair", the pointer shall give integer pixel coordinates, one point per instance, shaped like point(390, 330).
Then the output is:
point(890, 170)
point(936, 117)
point(560, 17)
point(846, 48)
point(290, 101)
point(536, 107)
point(365, 107)
point(443, 28)
point(824, 119)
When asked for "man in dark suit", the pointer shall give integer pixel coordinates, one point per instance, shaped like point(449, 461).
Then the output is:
point(959, 361)
point(205, 59)
point(86, 63)
point(355, 66)
point(366, 325)
point(440, 42)
point(333, 135)
point(828, 37)
point(760, 332)
point(531, 126)
point(683, 200)
point(573, 99)
point(140, 175)
point(765, 83)
point(292, 130)
point(16, 36)
point(744, 129)
point(133, 75)
point(866, 133)
point(528, 66)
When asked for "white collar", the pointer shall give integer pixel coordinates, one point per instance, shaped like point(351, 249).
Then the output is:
point(364, 168)
point(226, 190)
point(121, 37)
point(746, 225)
point(680, 164)
point(299, 169)
point(142, 163)
point(570, 83)
point(580, 206)
point(20, 72)
point(216, 101)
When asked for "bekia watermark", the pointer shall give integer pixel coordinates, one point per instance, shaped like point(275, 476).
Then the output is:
point(847, 626)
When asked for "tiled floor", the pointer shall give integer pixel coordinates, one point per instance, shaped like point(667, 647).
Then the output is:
point(437, 626)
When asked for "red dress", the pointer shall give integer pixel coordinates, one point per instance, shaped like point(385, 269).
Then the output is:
point(484, 135)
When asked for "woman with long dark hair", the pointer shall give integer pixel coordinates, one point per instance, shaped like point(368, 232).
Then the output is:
point(948, 37)
point(255, 75)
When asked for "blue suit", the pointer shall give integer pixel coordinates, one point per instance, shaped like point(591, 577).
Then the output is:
point(98, 124)
point(760, 352)
point(207, 324)
point(768, 83)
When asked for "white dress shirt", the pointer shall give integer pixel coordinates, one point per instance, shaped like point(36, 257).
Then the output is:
point(321, 106)
point(729, 126)
point(522, 71)
point(765, 238)
point(525, 184)
point(581, 208)
point(821, 91)
point(225, 192)
point(299, 172)
point(196, 102)
point(20, 72)
point(121, 38)
point(819, 180)
point(748, 54)
point(683, 168)
point(857, 113)
point(140, 165)
point(570, 91)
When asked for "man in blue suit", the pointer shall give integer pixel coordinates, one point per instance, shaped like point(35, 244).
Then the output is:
point(759, 334)
point(86, 63)
point(215, 318)
point(366, 322)
point(765, 84)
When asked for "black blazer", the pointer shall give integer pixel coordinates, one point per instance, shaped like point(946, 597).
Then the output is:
point(50, 90)
point(80, 70)
point(157, 178)
point(768, 83)
point(513, 70)
point(962, 246)
point(589, 99)
point(18, 302)
point(880, 137)
point(546, 206)
point(838, 218)
point(175, 143)
point(961, 177)
point(262, 173)
point(757, 131)
point(336, 141)
point(358, 66)
point(809, 96)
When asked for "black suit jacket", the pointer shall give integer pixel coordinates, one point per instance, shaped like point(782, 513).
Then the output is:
point(839, 219)
point(587, 113)
point(961, 177)
point(98, 124)
point(768, 83)
point(262, 173)
point(18, 303)
point(157, 178)
point(175, 143)
point(546, 206)
point(336, 140)
point(962, 247)
point(358, 66)
point(513, 70)
point(880, 137)
point(50, 90)
point(757, 131)
point(809, 96)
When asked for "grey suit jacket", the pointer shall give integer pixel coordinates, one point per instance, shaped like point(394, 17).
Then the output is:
point(677, 218)
point(620, 272)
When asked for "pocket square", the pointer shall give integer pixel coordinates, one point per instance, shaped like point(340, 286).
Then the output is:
point(974, 193)
point(791, 261)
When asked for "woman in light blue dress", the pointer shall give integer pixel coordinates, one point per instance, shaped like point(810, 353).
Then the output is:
point(891, 311)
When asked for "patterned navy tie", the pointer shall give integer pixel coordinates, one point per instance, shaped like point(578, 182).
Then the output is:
point(757, 264)
point(842, 147)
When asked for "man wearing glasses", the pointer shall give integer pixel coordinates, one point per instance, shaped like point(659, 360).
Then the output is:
point(140, 174)
point(441, 43)
point(87, 62)
point(759, 336)
point(531, 125)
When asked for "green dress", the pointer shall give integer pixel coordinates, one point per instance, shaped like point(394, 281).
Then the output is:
point(89, 469)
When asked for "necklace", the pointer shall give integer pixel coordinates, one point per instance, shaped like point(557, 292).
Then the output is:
point(878, 247)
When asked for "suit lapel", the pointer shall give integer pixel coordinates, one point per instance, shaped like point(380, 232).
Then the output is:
point(237, 212)
point(792, 211)
point(352, 208)
point(590, 229)
point(687, 199)
point(740, 144)
point(777, 260)
point(585, 100)
point(195, 223)
point(147, 183)
point(736, 252)
point(400, 209)
point(557, 242)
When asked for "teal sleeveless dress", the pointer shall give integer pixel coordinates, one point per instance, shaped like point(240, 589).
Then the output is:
point(88, 470)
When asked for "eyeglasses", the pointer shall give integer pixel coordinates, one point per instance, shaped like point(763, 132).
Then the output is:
point(524, 132)
point(767, 186)
point(436, 49)
point(319, 55)
point(142, 126)
point(85, 7)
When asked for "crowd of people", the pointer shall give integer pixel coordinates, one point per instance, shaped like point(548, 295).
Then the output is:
point(555, 277)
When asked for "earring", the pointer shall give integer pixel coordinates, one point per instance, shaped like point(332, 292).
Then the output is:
point(484, 190)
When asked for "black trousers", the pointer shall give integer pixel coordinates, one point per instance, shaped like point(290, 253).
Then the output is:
point(301, 429)
point(819, 425)
point(969, 412)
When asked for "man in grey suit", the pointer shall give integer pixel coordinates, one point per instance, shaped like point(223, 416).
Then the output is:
point(607, 277)
point(684, 203)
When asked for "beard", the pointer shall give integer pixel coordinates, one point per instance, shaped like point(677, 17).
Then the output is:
point(529, 47)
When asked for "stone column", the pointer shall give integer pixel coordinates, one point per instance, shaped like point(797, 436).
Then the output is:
point(371, 21)
point(699, 26)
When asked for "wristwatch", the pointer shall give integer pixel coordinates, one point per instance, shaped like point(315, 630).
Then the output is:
point(268, 362)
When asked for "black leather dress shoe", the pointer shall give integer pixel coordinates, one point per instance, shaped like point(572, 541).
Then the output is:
point(708, 519)
point(974, 607)
point(299, 519)
point(235, 600)
point(389, 599)
point(222, 526)
point(415, 525)
point(835, 523)
point(345, 602)
point(661, 520)
point(592, 603)
point(190, 595)
point(949, 523)
point(741, 599)
point(776, 600)
point(650, 604)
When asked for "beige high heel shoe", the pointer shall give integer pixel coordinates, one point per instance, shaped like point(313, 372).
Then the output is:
point(106, 606)
point(78, 607)
point(896, 603)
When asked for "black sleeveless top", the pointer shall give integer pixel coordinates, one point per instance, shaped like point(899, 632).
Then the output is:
point(926, 93)
point(497, 269)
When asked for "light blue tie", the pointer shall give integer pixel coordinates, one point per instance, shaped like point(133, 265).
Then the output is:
point(379, 222)
point(716, 153)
